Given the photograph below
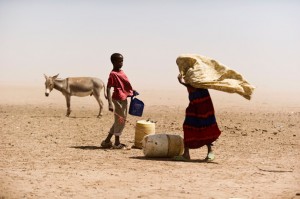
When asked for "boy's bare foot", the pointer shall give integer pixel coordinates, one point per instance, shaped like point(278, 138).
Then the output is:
point(119, 146)
point(106, 145)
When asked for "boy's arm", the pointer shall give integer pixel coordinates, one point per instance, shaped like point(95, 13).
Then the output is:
point(110, 106)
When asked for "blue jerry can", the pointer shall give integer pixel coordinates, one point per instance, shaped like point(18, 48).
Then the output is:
point(136, 107)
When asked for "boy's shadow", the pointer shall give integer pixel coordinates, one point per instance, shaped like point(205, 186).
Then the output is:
point(88, 147)
point(172, 160)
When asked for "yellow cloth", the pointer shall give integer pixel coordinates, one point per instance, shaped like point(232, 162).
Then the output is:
point(202, 72)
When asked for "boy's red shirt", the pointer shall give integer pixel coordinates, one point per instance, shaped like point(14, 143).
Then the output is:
point(121, 84)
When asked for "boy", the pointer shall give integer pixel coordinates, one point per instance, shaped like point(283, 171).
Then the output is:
point(122, 90)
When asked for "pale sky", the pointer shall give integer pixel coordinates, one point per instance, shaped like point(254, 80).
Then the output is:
point(260, 39)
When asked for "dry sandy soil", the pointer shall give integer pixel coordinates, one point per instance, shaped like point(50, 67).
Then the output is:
point(44, 154)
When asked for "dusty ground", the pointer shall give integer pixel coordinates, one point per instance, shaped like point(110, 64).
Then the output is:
point(44, 154)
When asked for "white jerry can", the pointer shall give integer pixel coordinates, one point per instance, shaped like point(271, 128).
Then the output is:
point(163, 145)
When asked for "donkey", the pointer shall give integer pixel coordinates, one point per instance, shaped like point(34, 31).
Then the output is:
point(76, 86)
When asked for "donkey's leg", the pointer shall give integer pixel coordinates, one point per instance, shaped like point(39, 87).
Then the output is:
point(68, 100)
point(100, 102)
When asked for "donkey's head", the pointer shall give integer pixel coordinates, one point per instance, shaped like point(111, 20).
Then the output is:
point(49, 84)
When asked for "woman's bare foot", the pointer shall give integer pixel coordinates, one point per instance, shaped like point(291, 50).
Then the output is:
point(210, 154)
point(184, 157)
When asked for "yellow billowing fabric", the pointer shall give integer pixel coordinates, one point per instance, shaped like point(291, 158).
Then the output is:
point(202, 72)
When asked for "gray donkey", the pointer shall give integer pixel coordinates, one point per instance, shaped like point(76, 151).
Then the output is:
point(76, 86)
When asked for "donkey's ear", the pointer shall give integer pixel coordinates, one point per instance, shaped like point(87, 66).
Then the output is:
point(45, 76)
point(54, 77)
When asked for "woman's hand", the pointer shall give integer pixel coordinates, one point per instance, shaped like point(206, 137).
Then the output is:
point(180, 79)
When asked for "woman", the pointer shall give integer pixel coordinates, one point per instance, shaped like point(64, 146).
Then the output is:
point(200, 127)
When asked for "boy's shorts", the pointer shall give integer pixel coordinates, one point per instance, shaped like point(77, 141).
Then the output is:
point(120, 115)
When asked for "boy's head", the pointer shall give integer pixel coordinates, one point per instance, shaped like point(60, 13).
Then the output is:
point(117, 60)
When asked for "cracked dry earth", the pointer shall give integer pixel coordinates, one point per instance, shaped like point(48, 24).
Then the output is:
point(44, 154)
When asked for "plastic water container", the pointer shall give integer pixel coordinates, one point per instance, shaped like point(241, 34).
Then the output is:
point(136, 107)
point(143, 128)
point(163, 145)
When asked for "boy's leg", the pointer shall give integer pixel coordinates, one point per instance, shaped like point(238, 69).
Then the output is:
point(108, 138)
point(117, 140)
point(107, 143)
point(115, 127)
point(120, 119)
